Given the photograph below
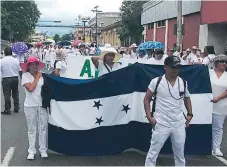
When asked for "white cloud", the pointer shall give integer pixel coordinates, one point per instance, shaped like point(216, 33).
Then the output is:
point(70, 9)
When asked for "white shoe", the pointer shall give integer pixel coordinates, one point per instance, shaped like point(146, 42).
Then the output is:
point(217, 152)
point(31, 156)
point(44, 155)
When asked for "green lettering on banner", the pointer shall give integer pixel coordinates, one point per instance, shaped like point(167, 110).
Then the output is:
point(86, 69)
point(96, 73)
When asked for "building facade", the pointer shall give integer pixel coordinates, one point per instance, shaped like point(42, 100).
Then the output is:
point(199, 27)
point(79, 34)
point(109, 34)
point(103, 19)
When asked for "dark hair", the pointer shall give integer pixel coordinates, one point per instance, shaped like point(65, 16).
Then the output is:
point(142, 51)
point(8, 51)
point(92, 45)
point(210, 49)
point(159, 51)
point(122, 52)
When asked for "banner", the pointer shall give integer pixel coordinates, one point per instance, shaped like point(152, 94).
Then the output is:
point(81, 67)
point(105, 116)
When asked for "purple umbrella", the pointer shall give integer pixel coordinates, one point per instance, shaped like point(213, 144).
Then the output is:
point(19, 48)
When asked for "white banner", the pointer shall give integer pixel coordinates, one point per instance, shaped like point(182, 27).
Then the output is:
point(81, 67)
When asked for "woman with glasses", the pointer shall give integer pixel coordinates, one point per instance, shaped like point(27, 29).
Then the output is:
point(218, 78)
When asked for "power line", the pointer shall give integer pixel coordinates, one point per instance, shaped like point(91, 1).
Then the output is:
point(147, 8)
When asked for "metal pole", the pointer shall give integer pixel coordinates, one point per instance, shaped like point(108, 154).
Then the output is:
point(96, 27)
point(179, 23)
point(84, 31)
point(96, 22)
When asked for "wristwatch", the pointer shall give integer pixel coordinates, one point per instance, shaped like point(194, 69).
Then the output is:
point(188, 114)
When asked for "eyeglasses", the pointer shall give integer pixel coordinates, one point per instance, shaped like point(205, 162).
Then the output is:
point(223, 61)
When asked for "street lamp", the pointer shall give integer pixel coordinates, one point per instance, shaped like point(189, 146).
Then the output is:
point(96, 21)
point(84, 21)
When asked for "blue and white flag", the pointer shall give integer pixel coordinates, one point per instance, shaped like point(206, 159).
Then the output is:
point(106, 116)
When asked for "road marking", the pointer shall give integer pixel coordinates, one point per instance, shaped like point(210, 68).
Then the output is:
point(223, 160)
point(8, 156)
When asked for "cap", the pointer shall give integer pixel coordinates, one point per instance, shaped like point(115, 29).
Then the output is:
point(172, 61)
point(188, 50)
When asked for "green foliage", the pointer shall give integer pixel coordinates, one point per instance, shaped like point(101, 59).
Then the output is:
point(57, 38)
point(66, 37)
point(131, 20)
point(18, 19)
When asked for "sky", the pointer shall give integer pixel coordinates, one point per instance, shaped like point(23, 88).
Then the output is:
point(70, 9)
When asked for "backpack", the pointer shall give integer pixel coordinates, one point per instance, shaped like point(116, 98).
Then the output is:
point(154, 96)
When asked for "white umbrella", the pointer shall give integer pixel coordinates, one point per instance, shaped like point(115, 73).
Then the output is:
point(50, 40)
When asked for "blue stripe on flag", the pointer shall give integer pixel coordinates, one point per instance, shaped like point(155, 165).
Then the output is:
point(134, 78)
point(116, 139)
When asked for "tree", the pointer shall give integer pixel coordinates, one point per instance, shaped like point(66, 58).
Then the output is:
point(131, 20)
point(57, 38)
point(66, 37)
point(18, 19)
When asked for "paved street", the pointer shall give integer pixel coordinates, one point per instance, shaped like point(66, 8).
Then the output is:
point(14, 134)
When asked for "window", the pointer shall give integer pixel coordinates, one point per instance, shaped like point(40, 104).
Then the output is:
point(150, 26)
point(161, 23)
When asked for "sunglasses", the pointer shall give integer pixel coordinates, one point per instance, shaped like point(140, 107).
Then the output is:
point(223, 61)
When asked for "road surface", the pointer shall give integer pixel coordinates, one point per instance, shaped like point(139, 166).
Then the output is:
point(14, 144)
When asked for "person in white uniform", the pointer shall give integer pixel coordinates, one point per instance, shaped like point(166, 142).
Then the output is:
point(52, 55)
point(35, 115)
point(33, 50)
point(92, 50)
point(107, 61)
point(218, 78)
point(39, 53)
point(177, 52)
point(167, 117)
point(46, 56)
point(209, 54)
point(142, 55)
point(195, 58)
point(159, 58)
point(60, 64)
point(132, 51)
point(186, 57)
point(10, 68)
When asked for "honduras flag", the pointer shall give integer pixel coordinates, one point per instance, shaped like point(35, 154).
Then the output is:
point(106, 116)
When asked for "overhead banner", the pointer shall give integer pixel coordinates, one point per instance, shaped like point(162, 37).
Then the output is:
point(105, 116)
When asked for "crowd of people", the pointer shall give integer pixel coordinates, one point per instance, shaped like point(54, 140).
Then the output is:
point(164, 121)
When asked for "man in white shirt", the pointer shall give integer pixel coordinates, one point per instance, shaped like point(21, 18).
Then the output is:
point(132, 51)
point(142, 55)
point(178, 51)
point(92, 50)
point(159, 58)
point(186, 57)
point(192, 55)
point(10, 68)
point(209, 54)
point(33, 50)
point(170, 94)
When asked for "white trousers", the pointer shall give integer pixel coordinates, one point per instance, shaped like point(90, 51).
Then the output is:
point(217, 130)
point(37, 116)
point(159, 136)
